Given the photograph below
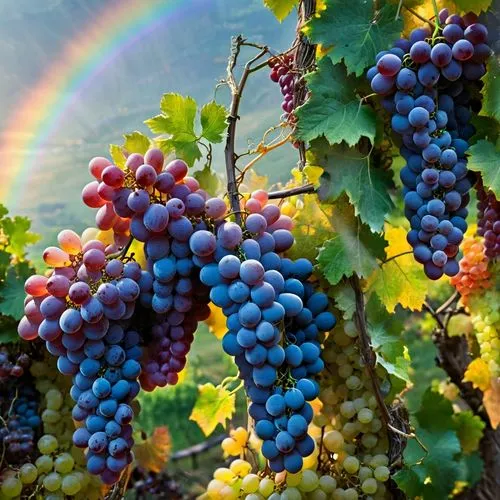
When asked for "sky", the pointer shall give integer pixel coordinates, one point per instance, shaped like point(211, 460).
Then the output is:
point(56, 115)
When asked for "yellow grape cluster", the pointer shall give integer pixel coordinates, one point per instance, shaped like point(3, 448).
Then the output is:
point(235, 444)
point(59, 472)
point(485, 317)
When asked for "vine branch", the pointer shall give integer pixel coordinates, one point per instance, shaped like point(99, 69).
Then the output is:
point(286, 193)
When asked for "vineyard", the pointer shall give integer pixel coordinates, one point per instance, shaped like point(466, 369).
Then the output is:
point(333, 335)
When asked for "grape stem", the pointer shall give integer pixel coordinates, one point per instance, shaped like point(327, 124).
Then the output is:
point(236, 89)
point(422, 18)
point(286, 193)
point(396, 256)
point(198, 448)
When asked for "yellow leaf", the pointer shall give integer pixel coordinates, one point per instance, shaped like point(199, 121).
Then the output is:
point(401, 280)
point(491, 401)
point(106, 237)
point(478, 374)
point(152, 453)
point(213, 406)
point(216, 322)
point(137, 248)
point(254, 181)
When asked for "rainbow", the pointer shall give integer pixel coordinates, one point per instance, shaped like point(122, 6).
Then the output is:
point(117, 26)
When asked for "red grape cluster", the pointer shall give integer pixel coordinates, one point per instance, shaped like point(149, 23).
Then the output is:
point(14, 368)
point(488, 224)
point(283, 74)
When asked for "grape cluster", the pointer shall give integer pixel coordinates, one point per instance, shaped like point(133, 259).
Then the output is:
point(488, 224)
point(273, 319)
point(474, 276)
point(428, 84)
point(486, 322)
point(282, 73)
point(145, 484)
point(14, 368)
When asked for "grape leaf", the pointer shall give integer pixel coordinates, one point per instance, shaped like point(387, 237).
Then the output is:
point(188, 151)
point(5, 258)
point(345, 300)
point(179, 113)
point(491, 402)
point(469, 429)
point(409, 480)
point(157, 124)
point(435, 413)
point(213, 121)
point(478, 374)
point(8, 330)
point(280, 8)
point(208, 179)
point(12, 290)
point(473, 467)
point(213, 406)
point(3, 211)
point(473, 5)
point(400, 280)
point(356, 32)
point(352, 249)
point(152, 453)
point(333, 109)
point(491, 90)
point(485, 157)
point(216, 322)
point(346, 170)
point(18, 232)
point(136, 142)
point(116, 153)
point(399, 367)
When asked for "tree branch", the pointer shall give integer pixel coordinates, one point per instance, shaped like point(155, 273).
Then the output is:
point(286, 193)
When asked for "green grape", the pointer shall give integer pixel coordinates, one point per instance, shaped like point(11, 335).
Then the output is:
point(291, 494)
point(309, 481)
point(351, 494)
point(364, 473)
point(254, 496)
point(293, 479)
point(39, 369)
point(338, 494)
point(28, 473)
point(51, 416)
point(333, 441)
point(64, 463)
point(376, 425)
point(224, 474)
point(378, 460)
point(214, 487)
point(341, 359)
point(381, 473)
point(266, 487)
point(56, 495)
point(351, 465)
point(350, 448)
point(250, 483)
point(369, 486)
point(369, 440)
point(52, 481)
point(359, 403)
point(347, 409)
point(11, 487)
point(345, 371)
point(54, 399)
point(274, 496)
point(71, 484)
point(47, 444)
point(317, 495)
point(229, 493)
point(327, 483)
point(44, 464)
point(365, 415)
point(350, 429)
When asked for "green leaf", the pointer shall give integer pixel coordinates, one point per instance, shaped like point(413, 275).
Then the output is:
point(208, 179)
point(469, 429)
point(116, 153)
point(3, 211)
point(213, 406)
point(213, 121)
point(352, 249)
point(281, 8)
point(485, 158)
point(136, 142)
point(346, 170)
point(491, 90)
point(12, 291)
point(18, 233)
point(187, 151)
point(157, 124)
point(435, 413)
point(486, 128)
point(334, 110)
point(5, 258)
point(409, 481)
point(474, 466)
point(8, 333)
point(399, 368)
point(473, 5)
point(179, 113)
point(356, 32)
point(345, 300)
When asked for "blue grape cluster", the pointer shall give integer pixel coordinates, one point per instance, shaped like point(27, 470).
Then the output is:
point(427, 83)
point(274, 319)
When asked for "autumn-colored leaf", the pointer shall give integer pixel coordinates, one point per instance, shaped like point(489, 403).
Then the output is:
point(400, 280)
point(213, 406)
point(478, 374)
point(469, 430)
point(491, 401)
point(152, 453)
point(216, 322)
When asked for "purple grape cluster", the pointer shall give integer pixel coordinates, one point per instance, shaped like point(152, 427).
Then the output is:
point(15, 368)
point(488, 223)
point(282, 74)
point(427, 83)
